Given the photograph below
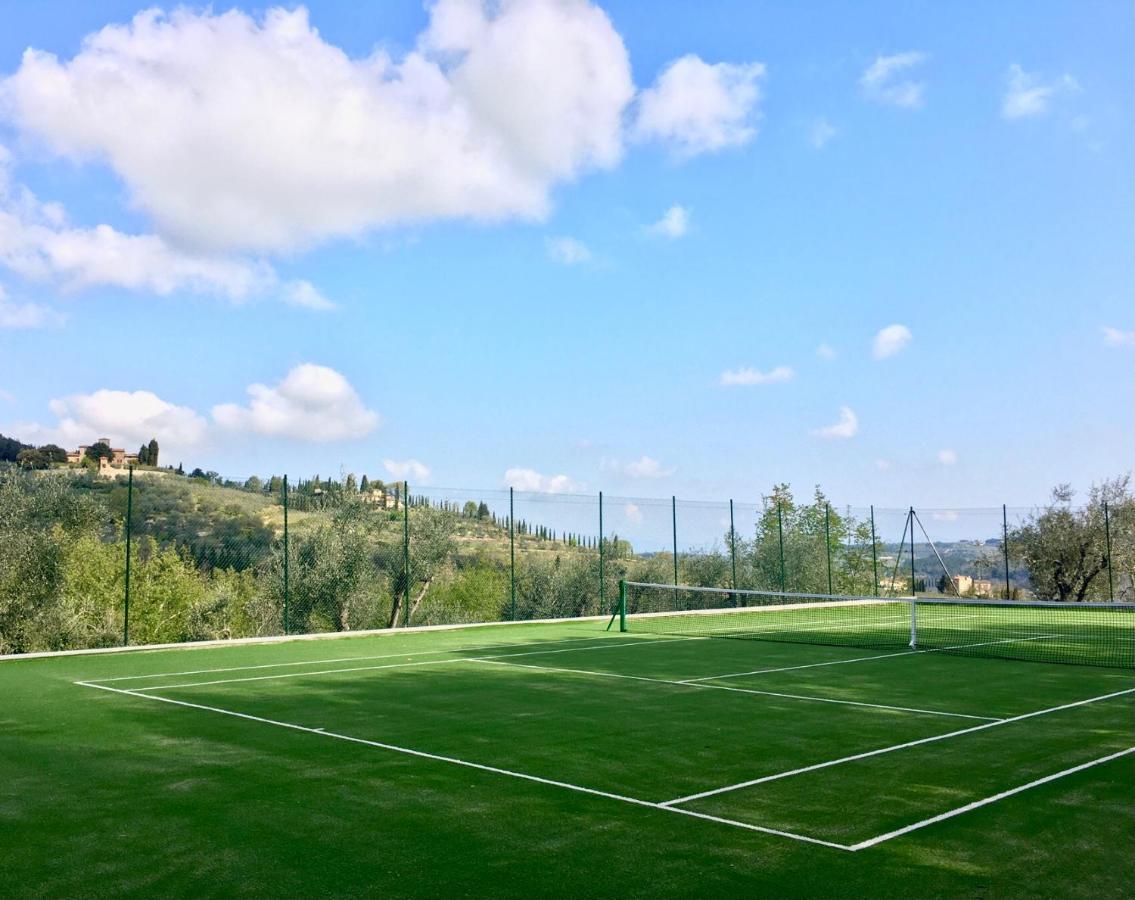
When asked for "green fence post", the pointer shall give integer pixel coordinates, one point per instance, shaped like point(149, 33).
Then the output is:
point(512, 553)
point(406, 551)
point(1005, 548)
point(129, 532)
point(780, 532)
point(828, 542)
point(284, 494)
point(1107, 538)
point(733, 547)
point(622, 604)
point(674, 522)
point(913, 589)
point(874, 553)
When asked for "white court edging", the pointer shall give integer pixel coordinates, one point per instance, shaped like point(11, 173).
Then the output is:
point(879, 752)
point(977, 804)
point(421, 754)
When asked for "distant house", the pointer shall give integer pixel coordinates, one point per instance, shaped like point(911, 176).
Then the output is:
point(384, 499)
point(119, 458)
point(969, 586)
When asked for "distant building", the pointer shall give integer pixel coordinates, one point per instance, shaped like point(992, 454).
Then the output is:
point(119, 458)
point(969, 586)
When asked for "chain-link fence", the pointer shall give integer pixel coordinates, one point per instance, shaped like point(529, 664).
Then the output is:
point(144, 556)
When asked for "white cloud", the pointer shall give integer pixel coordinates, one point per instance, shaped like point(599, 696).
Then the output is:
point(648, 467)
point(821, 132)
point(633, 513)
point(890, 340)
point(568, 250)
point(238, 133)
point(882, 464)
point(882, 81)
point(1028, 95)
point(945, 515)
point(37, 243)
point(531, 480)
point(1113, 337)
point(675, 223)
point(410, 469)
point(749, 376)
point(947, 457)
point(312, 403)
point(846, 427)
point(826, 352)
point(26, 315)
point(128, 418)
point(700, 107)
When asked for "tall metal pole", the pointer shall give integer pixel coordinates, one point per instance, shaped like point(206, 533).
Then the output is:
point(512, 553)
point(828, 542)
point(286, 553)
point(733, 546)
point(874, 552)
point(780, 531)
point(674, 521)
point(406, 552)
point(129, 532)
point(602, 585)
point(1107, 537)
point(1005, 547)
point(913, 591)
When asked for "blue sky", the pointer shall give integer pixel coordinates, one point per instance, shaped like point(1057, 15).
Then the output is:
point(631, 248)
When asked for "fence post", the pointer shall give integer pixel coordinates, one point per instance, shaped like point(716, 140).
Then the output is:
point(874, 553)
point(512, 553)
point(674, 522)
point(1107, 538)
point(913, 589)
point(1005, 548)
point(129, 533)
point(622, 604)
point(780, 532)
point(284, 493)
point(406, 551)
point(733, 547)
point(602, 584)
point(828, 542)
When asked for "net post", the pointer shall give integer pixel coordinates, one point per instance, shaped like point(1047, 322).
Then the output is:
point(602, 560)
point(622, 604)
point(284, 493)
point(913, 623)
point(780, 532)
point(512, 554)
point(828, 542)
point(406, 553)
point(129, 534)
point(1107, 538)
point(913, 589)
point(874, 553)
point(1005, 548)
point(733, 547)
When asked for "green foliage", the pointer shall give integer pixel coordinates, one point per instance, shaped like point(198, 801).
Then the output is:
point(32, 459)
point(99, 450)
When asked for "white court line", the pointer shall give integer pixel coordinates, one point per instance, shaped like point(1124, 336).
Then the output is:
point(723, 687)
point(840, 662)
point(394, 748)
point(893, 748)
point(320, 662)
point(977, 804)
point(605, 645)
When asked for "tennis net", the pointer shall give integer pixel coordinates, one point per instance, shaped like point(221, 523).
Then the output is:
point(1101, 634)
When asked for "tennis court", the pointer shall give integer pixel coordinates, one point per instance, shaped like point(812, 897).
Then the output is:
point(821, 751)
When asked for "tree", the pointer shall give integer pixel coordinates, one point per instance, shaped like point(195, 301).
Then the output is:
point(254, 484)
point(99, 450)
point(1064, 548)
point(31, 459)
point(364, 485)
point(483, 510)
point(469, 510)
point(152, 452)
point(54, 453)
point(143, 455)
point(430, 550)
point(350, 485)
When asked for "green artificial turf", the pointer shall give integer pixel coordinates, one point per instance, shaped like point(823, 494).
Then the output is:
point(110, 794)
